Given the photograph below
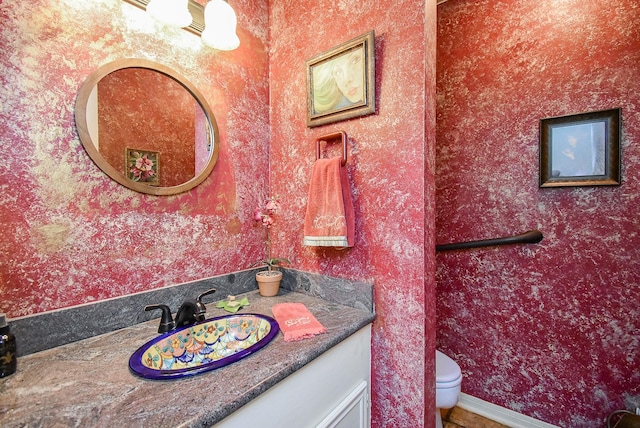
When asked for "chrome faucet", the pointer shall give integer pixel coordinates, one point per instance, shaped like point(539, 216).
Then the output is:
point(190, 312)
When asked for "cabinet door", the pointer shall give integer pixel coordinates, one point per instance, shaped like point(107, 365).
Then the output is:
point(333, 388)
point(352, 412)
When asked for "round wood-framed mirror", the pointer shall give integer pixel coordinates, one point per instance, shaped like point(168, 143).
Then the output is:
point(147, 127)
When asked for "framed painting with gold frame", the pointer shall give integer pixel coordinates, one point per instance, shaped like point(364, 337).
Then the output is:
point(341, 82)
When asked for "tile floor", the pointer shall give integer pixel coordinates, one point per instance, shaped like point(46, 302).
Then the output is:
point(460, 418)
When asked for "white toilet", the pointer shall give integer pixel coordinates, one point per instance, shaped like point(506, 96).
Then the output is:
point(448, 380)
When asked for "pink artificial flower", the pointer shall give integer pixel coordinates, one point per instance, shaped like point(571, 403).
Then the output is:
point(264, 215)
point(272, 205)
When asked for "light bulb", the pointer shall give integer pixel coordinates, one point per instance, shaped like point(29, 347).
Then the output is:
point(220, 26)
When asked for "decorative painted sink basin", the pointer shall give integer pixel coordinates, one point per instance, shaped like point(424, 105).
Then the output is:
point(198, 348)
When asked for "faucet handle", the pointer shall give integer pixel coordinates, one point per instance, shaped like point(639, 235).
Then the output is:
point(166, 322)
point(201, 309)
point(206, 293)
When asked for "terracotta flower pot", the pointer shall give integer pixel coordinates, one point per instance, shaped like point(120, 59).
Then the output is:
point(269, 282)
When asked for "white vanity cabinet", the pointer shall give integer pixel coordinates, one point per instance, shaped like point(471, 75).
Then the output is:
point(331, 391)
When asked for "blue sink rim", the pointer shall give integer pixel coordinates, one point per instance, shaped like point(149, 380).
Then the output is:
point(137, 368)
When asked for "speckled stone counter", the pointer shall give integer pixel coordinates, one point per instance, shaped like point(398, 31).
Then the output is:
point(88, 383)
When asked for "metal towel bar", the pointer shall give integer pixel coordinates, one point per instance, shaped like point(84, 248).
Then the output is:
point(530, 237)
point(329, 137)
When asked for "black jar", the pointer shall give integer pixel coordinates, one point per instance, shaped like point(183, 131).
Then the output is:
point(8, 357)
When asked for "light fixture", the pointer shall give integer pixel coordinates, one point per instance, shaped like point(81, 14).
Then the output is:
point(220, 26)
point(216, 22)
point(174, 13)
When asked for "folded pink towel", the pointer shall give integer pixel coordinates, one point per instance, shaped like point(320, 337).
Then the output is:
point(329, 221)
point(296, 322)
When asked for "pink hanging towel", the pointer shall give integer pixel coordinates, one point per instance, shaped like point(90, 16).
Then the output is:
point(329, 221)
point(296, 322)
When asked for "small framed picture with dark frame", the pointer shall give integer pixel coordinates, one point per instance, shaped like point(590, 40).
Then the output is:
point(341, 82)
point(142, 166)
point(581, 149)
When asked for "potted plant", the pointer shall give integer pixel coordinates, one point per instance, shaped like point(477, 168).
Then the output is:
point(269, 280)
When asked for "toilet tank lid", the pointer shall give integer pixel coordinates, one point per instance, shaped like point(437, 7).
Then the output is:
point(446, 369)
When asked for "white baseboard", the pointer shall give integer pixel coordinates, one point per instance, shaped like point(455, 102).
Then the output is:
point(499, 414)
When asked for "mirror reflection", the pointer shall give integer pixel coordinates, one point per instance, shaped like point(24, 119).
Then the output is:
point(146, 127)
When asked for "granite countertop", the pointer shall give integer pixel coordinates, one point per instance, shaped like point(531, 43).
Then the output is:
point(65, 386)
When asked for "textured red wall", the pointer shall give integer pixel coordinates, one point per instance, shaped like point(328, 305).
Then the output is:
point(70, 234)
point(548, 330)
point(390, 168)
